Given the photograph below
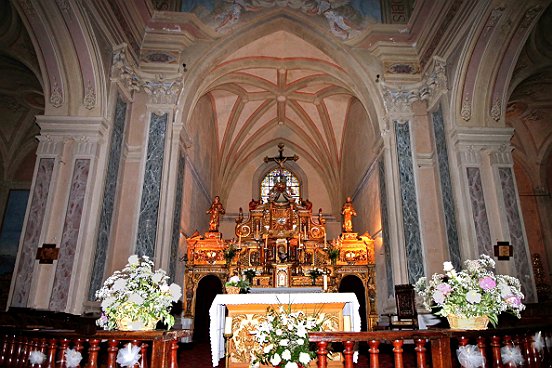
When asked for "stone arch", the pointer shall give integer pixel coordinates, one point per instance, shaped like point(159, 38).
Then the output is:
point(353, 284)
point(71, 69)
point(355, 74)
point(491, 52)
point(207, 288)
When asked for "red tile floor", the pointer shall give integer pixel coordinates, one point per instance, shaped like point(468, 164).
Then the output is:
point(198, 355)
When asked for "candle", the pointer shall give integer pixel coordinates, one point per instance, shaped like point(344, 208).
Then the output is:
point(266, 241)
point(324, 239)
point(346, 323)
point(325, 282)
point(239, 242)
point(228, 326)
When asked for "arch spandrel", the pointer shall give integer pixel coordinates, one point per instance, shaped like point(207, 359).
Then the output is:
point(492, 53)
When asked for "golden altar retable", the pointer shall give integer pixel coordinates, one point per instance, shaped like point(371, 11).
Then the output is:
point(281, 241)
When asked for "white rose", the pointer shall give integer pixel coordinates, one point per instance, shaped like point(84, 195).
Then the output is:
point(284, 342)
point(157, 277)
point(279, 332)
point(275, 360)
point(286, 354)
point(447, 266)
point(268, 348)
point(291, 365)
point(106, 303)
point(304, 358)
point(300, 341)
point(119, 284)
point(135, 298)
point(133, 260)
point(176, 292)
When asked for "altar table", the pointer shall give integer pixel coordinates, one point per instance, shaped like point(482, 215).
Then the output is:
point(250, 306)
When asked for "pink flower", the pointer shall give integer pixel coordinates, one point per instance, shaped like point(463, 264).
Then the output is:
point(444, 288)
point(513, 300)
point(487, 283)
point(439, 297)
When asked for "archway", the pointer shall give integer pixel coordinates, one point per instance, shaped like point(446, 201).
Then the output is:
point(352, 284)
point(207, 288)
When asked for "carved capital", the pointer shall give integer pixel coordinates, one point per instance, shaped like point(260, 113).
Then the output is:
point(162, 91)
point(398, 100)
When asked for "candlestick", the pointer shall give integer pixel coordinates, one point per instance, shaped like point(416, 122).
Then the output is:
point(346, 323)
point(228, 326)
point(266, 241)
point(239, 242)
point(325, 277)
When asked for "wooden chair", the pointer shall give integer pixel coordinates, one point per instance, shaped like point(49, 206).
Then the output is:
point(407, 315)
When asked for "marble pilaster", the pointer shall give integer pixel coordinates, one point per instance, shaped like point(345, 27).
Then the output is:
point(446, 187)
point(109, 193)
point(411, 222)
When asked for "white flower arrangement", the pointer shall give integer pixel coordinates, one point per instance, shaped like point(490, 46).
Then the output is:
point(283, 338)
point(137, 293)
point(472, 292)
point(237, 282)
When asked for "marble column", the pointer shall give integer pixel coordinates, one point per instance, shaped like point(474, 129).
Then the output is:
point(61, 211)
point(490, 210)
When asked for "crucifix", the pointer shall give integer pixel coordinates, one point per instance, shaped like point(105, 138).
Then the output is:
point(280, 159)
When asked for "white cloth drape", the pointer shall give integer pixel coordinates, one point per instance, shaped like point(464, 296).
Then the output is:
point(217, 312)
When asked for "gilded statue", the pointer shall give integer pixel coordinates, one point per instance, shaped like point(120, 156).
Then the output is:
point(348, 212)
point(215, 211)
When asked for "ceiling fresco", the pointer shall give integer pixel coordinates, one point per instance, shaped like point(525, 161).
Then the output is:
point(344, 18)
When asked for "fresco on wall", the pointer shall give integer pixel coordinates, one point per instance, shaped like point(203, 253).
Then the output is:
point(10, 233)
point(345, 18)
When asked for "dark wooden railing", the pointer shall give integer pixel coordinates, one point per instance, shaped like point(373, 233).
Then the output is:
point(158, 348)
point(437, 347)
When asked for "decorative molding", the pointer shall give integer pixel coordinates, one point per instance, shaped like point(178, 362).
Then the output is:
point(529, 16)
point(466, 111)
point(56, 95)
point(425, 159)
point(496, 109)
point(27, 6)
point(64, 6)
point(90, 97)
point(399, 99)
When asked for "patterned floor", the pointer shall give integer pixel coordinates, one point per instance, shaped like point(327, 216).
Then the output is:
point(198, 355)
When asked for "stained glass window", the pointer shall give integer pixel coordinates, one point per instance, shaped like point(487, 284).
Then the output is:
point(276, 175)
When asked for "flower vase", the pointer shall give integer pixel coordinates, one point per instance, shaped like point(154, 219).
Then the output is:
point(467, 323)
point(250, 280)
point(313, 281)
point(232, 290)
point(127, 324)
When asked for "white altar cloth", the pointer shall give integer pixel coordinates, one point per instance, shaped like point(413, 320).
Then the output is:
point(217, 312)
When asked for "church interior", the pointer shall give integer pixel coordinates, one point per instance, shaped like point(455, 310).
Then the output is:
point(370, 139)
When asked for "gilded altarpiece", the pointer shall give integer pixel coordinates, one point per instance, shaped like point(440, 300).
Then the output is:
point(282, 242)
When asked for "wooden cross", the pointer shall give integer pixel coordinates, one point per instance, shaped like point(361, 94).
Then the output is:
point(280, 159)
point(47, 254)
